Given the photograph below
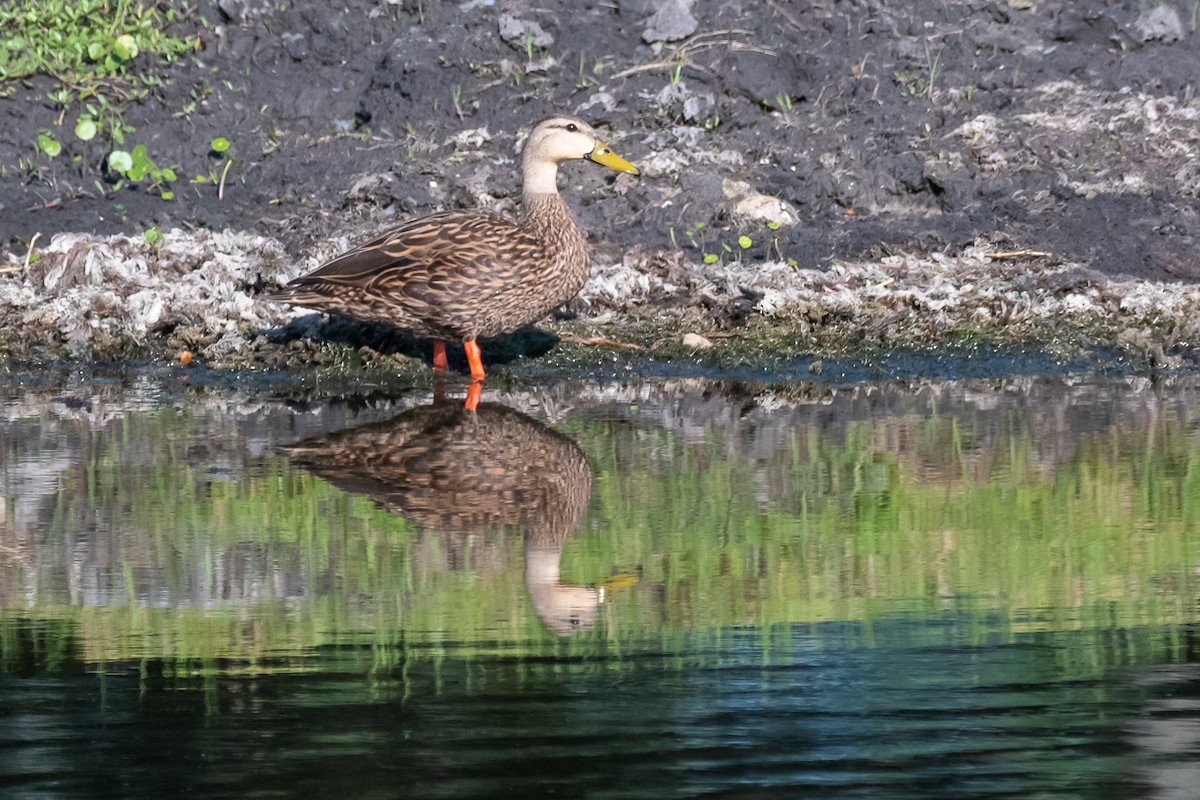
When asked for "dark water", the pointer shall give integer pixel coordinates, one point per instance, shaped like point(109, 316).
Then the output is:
point(681, 589)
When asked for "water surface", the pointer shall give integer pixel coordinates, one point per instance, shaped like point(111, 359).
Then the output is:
point(668, 589)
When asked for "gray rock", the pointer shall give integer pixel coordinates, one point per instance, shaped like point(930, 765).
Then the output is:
point(671, 22)
point(1161, 24)
point(295, 45)
point(518, 32)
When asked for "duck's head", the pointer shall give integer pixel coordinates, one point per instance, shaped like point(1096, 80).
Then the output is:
point(558, 139)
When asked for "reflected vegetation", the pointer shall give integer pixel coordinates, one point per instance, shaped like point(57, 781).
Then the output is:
point(188, 528)
point(671, 589)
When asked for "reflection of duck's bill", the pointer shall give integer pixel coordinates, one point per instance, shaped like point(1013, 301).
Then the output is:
point(613, 583)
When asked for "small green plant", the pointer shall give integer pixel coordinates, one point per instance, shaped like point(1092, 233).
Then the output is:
point(740, 246)
point(585, 79)
point(774, 228)
point(219, 148)
point(932, 60)
point(271, 141)
point(137, 166)
point(456, 95)
point(99, 116)
point(912, 84)
point(86, 45)
point(48, 144)
point(917, 84)
point(152, 235)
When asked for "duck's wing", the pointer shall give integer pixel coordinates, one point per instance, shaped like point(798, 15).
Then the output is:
point(434, 259)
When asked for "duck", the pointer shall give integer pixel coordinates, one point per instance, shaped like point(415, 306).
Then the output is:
point(467, 274)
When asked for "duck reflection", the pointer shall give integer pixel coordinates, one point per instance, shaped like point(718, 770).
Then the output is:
point(452, 471)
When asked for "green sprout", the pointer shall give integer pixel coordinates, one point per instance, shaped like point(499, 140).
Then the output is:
point(220, 146)
point(48, 144)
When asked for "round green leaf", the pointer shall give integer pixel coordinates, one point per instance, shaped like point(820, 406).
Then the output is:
point(48, 146)
point(711, 258)
point(125, 47)
point(168, 195)
point(120, 161)
point(95, 51)
point(167, 174)
point(85, 129)
point(744, 242)
point(220, 144)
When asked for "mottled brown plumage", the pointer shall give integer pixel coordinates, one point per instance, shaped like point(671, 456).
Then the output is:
point(469, 273)
point(451, 471)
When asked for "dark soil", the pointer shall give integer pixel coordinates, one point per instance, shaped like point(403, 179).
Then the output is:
point(848, 111)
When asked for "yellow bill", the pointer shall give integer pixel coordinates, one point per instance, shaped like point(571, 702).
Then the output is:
point(622, 580)
point(605, 157)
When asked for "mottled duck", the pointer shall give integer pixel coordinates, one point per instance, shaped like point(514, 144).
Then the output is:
point(467, 274)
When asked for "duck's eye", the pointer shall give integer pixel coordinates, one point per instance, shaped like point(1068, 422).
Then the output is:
point(572, 127)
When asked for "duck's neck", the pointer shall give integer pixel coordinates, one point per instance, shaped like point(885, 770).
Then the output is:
point(540, 177)
point(546, 215)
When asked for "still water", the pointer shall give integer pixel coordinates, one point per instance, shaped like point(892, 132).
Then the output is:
point(668, 589)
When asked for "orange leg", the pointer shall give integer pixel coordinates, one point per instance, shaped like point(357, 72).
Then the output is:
point(473, 393)
point(439, 356)
point(475, 359)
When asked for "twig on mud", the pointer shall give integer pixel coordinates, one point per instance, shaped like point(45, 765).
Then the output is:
point(29, 252)
point(1018, 254)
point(600, 340)
point(696, 44)
point(224, 172)
point(45, 204)
point(795, 23)
point(28, 257)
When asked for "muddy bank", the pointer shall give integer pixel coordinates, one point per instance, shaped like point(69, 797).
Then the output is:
point(871, 157)
point(121, 298)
